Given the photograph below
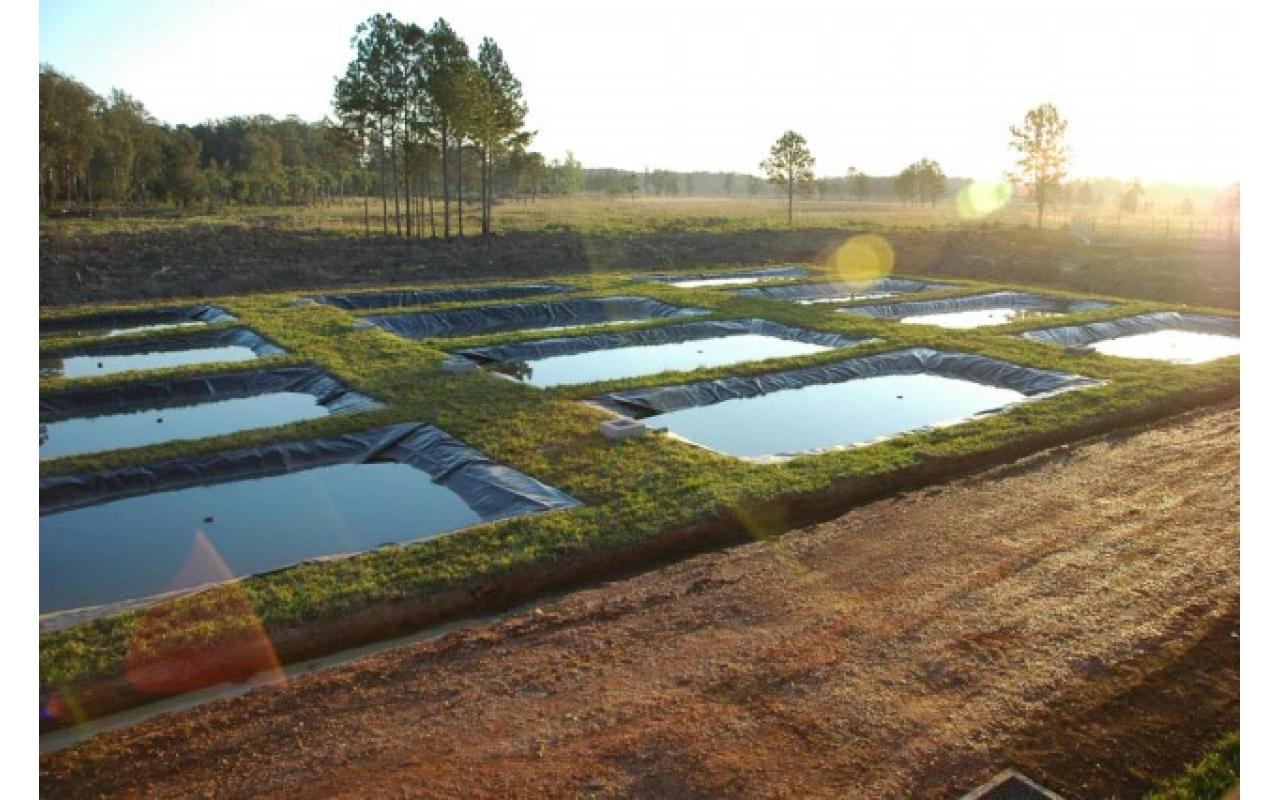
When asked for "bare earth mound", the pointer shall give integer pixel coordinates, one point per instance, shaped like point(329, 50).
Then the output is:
point(1074, 615)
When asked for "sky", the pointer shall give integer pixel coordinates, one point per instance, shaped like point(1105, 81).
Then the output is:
point(1150, 90)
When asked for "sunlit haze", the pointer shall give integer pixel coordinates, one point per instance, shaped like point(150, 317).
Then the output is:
point(708, 86)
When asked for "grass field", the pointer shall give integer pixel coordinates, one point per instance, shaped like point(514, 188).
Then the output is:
point(625, 216)
point(631, 492)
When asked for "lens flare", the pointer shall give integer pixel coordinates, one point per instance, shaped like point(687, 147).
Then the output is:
point(864, 258)
point(979, 199)
point(167, 655)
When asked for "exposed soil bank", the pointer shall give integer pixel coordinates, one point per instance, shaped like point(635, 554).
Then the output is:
point(204, 261)
point(1073, 615)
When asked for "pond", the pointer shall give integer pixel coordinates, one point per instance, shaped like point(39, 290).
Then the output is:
point(736, 278)
point(630, 362)
point(976, 311)
point(121, 323)
point(1174, 346)
point(842, 291)
point(977, 319)
point(154, 424)
point(134, 531)
point(422, 297)
point(531, 316)
point(179, 539)
point(824, 416)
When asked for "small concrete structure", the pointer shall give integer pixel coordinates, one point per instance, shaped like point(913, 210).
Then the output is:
point(1010, 785)
point(619, 430)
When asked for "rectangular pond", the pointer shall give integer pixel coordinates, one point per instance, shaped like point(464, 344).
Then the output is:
point(842, 291)
point(853, 402)
point(422, 297)
point(685, 346)
point(120, 323)
point(1163, 336)
point(735, 278)
point(136, 532)
point(237, 344)
point(562, 315)
point(976, 311)
point(76, 422)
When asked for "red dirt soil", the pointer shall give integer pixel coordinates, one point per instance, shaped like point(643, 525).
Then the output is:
point(1074, 615)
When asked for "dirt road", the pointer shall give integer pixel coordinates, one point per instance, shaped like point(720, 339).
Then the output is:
point(1074, 615)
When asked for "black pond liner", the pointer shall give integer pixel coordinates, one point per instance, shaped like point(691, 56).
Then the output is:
point(234, 337)
point(668, 334)
point(123, 398)
point(768, 273)
point(493, 491)
point(505, 318)
point(975, 302)
point(364, 300)
point(800, 292)
point(642, 403)
point(208, 315)
point(1089, 333)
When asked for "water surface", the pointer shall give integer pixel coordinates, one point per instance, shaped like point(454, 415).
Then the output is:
point(178, 539)
point(847, 298)
point(155, 425)
point(829, 415)
point(88, 365)
point(1175, 346)
point(695, 283)
point(630, 362)
point(978, 318)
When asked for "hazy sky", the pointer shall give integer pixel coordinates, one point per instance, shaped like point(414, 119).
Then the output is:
point(1149, 89)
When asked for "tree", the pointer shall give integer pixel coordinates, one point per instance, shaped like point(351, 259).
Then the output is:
point(449, 83)
point(861, 186)
point(789, 164)
point(499, 119)
point(186, 182)
point(1042, 153)
point(930, 181)
point(68, 136)
point(1131, 199)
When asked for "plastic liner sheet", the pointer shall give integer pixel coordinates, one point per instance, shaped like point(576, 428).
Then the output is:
point(768, 273)
point(670, 334)
point(234, 337)
point(641, 403)
point(498, 319)
point(97, 401)
point(493, 491)
point(208, 315)
point(975, 302)
point(1084, 335)
point(800, 292)
point(364, 300)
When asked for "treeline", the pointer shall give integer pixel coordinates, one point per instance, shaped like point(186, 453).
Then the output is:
point(95, 149)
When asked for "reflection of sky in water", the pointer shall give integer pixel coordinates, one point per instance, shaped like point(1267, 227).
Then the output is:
point(696, 283)
point(85, 366)
point(1179, 347)
point(976, 319)
point(161, 326)
point(152, 426)
point(629, 362)
point(833, 414)
point(138, 546)
point(847, 298)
